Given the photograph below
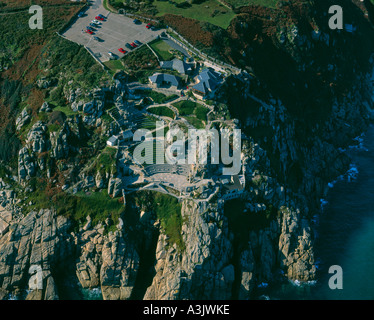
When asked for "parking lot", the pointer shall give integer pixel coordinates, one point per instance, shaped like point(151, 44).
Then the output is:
point(114, 32)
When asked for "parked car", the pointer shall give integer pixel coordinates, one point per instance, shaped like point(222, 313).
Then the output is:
point(97, 38)
point(148, 25)
point(90, 28)
point(122, 50)
point(136, 21)
point(102, 16)
point(80, 14)
point(128, 46)
point(89, 31)
point(137, 42)
point(133, 45)
point(99, 18)
point(92, 25)
point(96, 22)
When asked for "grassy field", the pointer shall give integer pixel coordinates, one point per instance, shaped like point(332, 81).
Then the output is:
point(264, 3)
point(65, 109)
point(113, 5)
point(140, 64)
point(106, 159)
point(186, 108)
point(148, 123)
point(117, 4)
point(197, 123)
point(211, 11)
point(114, 65)
point(162, 49)
point(168, 210)
point(97, 205)
point(159, 97)
point(162, 111)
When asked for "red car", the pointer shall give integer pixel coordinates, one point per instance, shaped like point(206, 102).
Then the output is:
point(99, 18)
point(122, 50)
point(148, 26)
point(133, 45)
point(89, 31)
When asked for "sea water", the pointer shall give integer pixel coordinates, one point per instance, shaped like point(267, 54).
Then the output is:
point(345, 230)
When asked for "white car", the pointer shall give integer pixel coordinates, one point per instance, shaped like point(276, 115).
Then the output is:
point(96, 22)
point(112, 56)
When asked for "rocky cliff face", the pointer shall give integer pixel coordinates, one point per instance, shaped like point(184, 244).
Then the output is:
point(42, 242)
point(303, 107)
point(212, 267)
point(111, 262)
point(38, 240)
point(203, 270)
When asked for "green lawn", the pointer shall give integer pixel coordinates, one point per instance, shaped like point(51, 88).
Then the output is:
point(157, 97)
point(162, 49)
point(201, 112)
point(114, 65)
point(114, 4)
point(162, 111)
point(264, 3)
point(148, 123)
point(186, 108)
point(197, 123)
point(211, 11)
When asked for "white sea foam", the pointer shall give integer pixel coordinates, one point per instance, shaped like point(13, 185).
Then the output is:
point(93, 294)
point(352, 173)
point(323, 203)
point(359, 143)
point(298, 283)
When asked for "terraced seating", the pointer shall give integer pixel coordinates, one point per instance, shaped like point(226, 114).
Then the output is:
point(168, 168)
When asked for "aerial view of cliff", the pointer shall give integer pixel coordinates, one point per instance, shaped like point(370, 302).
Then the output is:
point(186, 150)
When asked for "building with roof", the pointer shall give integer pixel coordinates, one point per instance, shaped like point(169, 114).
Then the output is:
point(127, 135)
point(177, 65)
point(208, 82)
point(163, 79)
point(112, 141)
point(234, 188)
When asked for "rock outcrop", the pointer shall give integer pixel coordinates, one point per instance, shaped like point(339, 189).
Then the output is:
point(23, 119)
point(296, 247)
point(39, 242)
point(109, 261)
point(40, 245)
point(200, 270)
